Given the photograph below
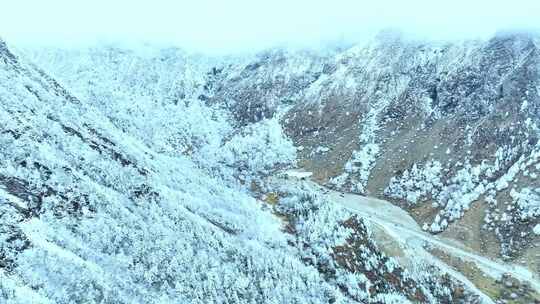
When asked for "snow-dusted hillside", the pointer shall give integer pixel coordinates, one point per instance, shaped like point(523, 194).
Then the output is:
point(439, 128)
point(120, 184)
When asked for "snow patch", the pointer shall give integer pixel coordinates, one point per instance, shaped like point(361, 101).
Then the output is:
point(536, 229)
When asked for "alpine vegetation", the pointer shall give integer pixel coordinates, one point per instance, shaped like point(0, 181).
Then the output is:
point(394, 171)
point(99, 207)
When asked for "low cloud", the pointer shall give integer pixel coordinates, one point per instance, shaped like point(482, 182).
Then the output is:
point(249, 25)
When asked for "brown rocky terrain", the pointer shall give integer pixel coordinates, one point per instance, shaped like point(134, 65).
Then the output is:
point(437, 128)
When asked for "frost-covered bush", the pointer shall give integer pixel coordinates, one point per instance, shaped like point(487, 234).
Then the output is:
point(341, 246)
point(257, 148)
point(358, 168)
point(94, 212)
point(360, 165)
point(316, 222)
point(156, 95)
point(149, 93)
point(418, 183)
point(514, 221)
point(463, 189)
point(190, 128)
point(528, 202)
point(454, 194)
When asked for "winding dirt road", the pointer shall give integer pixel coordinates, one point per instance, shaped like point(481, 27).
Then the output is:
point(398, 224)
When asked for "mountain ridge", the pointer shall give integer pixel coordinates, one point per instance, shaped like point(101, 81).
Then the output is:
point(446, 131)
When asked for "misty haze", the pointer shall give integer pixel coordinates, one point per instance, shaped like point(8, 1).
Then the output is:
point(380, 152)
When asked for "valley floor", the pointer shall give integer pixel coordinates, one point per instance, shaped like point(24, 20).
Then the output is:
point(403, 231)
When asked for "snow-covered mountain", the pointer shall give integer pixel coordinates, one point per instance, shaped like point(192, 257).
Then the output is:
point(127, 195)
point(152, 175)
point(448, 131)
point(439, 128)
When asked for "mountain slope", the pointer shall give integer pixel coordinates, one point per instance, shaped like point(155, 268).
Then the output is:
point(91, 213)
point(99, 207)
point(439, 128)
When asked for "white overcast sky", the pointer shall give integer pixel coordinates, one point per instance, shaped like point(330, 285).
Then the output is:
point(234, 25)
